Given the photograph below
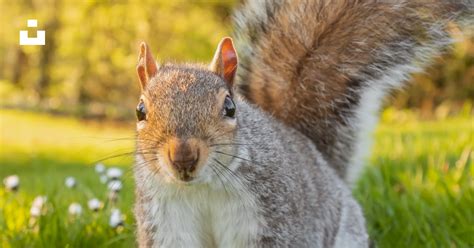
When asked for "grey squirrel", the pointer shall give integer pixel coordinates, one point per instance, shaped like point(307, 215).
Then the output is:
point(213, 170)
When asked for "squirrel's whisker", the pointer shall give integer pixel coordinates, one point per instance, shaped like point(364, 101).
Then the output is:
point(235, 156)
point(216, 172)
point(227, 144)
point(230, 173)
point(228, 178)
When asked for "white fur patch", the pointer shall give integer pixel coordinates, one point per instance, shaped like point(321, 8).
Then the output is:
point(371, 98)
point(367, 115)
point(200, 215)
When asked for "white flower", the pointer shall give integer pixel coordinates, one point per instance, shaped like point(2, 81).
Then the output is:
point(12, 182)
point(70, 182)
point(75, 209)
point(103, 179)
point(39, 201)
point(94, 204)
point(35, 211)
point(115, 185)
point(114, 173)
point(37, 206)
point(115, 218)
point(100, 168)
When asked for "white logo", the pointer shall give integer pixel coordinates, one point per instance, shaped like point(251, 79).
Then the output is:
point(39, 40)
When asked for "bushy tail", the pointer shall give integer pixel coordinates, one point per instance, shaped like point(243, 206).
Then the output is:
point(323, 66)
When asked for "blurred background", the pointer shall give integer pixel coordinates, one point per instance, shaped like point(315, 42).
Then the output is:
point(87, 68)
point(70, 104)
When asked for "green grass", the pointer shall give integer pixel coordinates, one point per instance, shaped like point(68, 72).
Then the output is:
point(418, 190)
point(43, 150)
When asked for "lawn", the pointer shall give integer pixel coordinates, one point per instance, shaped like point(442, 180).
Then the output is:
point(417, 191)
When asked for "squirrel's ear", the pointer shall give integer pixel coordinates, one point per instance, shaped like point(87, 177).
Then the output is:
point(225, 61)
point(146, 67)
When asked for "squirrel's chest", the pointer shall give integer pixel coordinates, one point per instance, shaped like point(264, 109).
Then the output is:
point(204, 217)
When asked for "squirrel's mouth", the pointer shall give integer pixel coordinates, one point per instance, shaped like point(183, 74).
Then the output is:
point(184, 158)
point(185, 177)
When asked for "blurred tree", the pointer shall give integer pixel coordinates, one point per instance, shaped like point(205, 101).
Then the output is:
point(48, 51)
point(88, 64)
point(19, 65)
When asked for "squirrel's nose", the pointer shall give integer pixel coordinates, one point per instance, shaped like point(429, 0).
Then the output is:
point(183, 155)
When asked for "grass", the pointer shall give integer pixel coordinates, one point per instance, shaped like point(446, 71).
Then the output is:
point(43, 150)
point(418, 190)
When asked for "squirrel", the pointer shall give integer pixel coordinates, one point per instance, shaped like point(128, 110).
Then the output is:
point(324, 67)
point(214, 171)
point(256, 150)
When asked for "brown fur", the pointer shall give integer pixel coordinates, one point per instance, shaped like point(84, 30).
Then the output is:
point(309, 60)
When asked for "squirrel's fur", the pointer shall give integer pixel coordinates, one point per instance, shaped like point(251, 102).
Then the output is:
point(213, 170)
point(323, 66)
point(261, 184)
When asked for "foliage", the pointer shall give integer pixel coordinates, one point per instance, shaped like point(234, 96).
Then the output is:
point(418, 190)
point(88, 63)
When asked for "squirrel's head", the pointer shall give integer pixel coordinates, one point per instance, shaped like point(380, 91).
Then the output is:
point(186, 113)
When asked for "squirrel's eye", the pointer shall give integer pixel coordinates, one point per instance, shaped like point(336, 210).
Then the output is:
point(229, 107)
point(141, 111)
